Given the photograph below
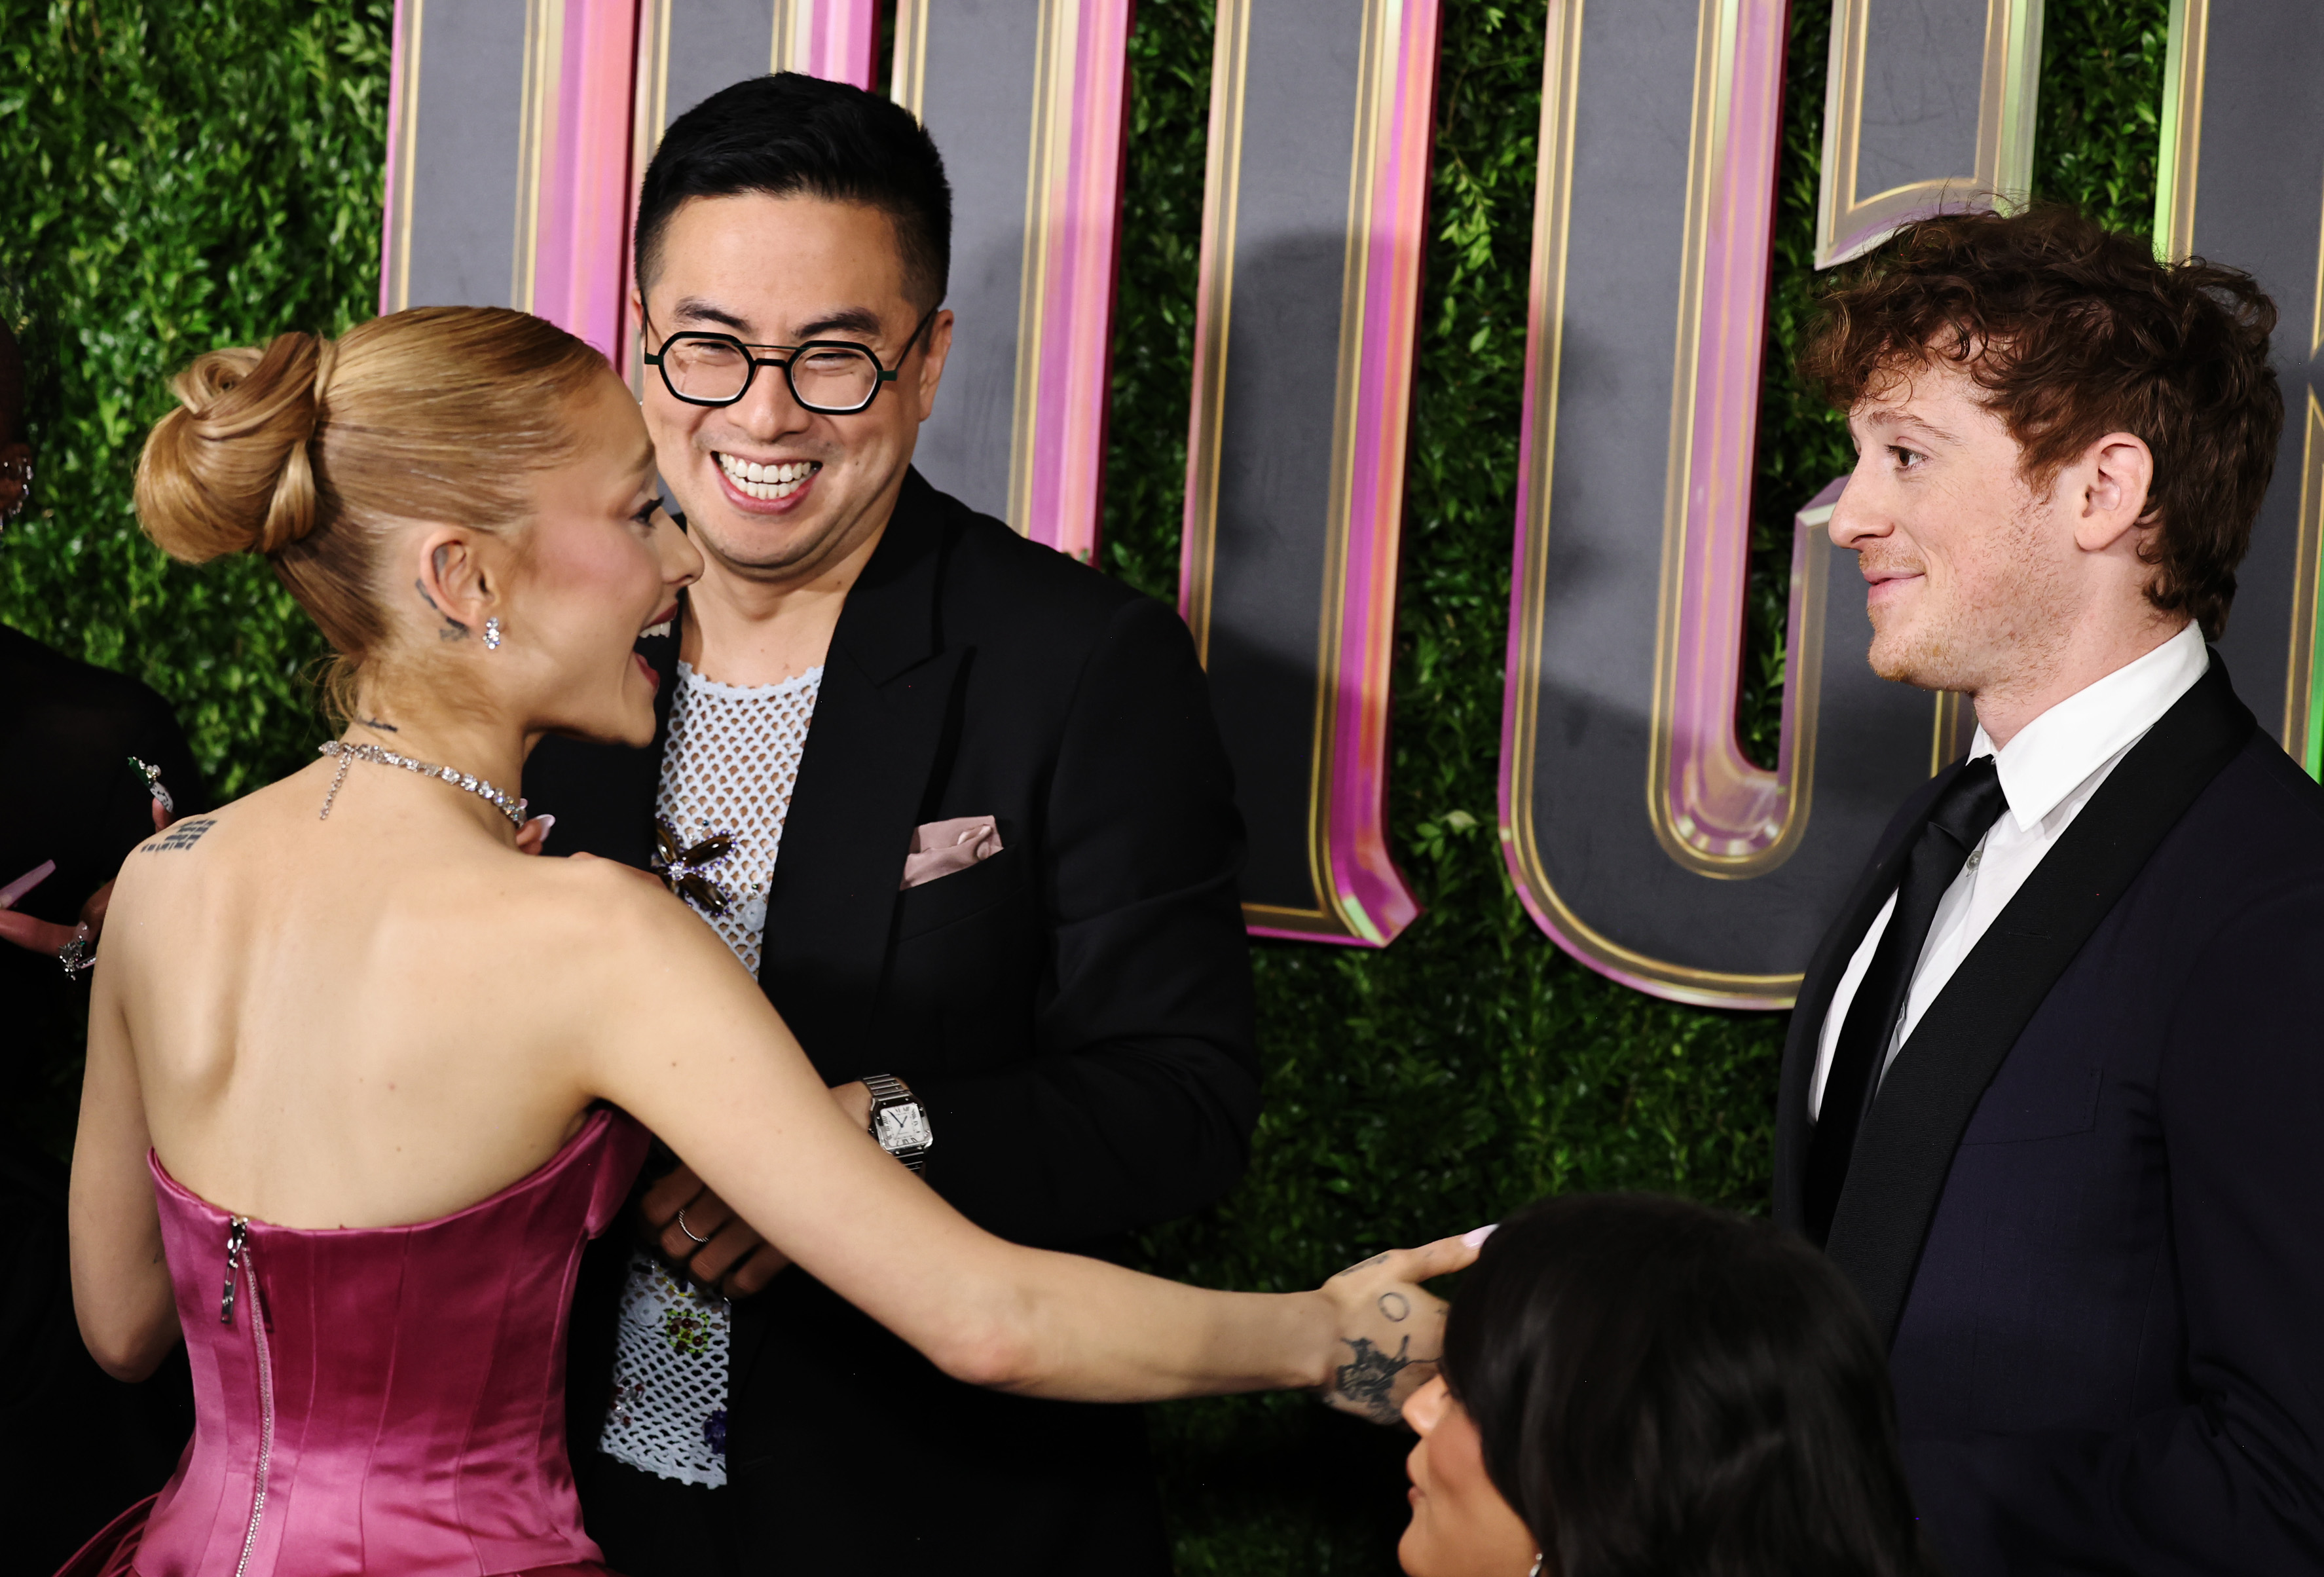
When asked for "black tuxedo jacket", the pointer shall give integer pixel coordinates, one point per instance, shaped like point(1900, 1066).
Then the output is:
point(2088, 1203)
point(1075, 1011)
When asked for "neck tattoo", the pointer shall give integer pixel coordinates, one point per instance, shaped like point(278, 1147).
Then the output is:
point(508, 804)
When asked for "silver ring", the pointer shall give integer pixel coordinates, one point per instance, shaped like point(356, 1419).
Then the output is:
point(698, 1242)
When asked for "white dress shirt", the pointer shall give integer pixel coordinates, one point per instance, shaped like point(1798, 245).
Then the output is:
point(2048, 773)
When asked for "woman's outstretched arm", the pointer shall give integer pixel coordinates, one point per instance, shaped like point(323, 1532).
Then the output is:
point(121, 1287)
point(671, 1030)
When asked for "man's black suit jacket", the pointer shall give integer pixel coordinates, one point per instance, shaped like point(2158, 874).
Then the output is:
point(2088, 1203)
point(1075, 1011)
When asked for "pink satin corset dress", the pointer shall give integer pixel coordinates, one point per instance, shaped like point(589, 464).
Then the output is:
point(383, 1400)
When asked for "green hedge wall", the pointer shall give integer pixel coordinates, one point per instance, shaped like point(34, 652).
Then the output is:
point(189, 172)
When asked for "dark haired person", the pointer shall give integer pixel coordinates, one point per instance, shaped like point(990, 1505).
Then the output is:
point(1634, 1384)
point(2054, 1089)
point(74, 1443)
point(1004, 911)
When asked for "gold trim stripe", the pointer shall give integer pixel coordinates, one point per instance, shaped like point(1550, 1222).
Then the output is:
point(1048, 156)
point(1376, 62)
point(544, 61)
point(2010, 80)
point(1215, 309)
point(908, 78)
point(399, 291)
point(782, 39)
point(2303, 738)
point(2179, 158)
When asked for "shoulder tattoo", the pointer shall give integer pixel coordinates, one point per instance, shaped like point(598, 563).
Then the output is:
point(183, 835)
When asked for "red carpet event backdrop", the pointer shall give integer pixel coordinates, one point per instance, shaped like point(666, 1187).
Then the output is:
point(1433, 356)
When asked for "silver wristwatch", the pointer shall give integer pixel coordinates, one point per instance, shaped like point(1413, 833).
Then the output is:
point(899, 1121)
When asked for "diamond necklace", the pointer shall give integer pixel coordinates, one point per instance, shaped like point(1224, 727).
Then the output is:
point(507, 805)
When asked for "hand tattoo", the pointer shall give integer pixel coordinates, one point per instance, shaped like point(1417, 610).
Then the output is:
point(1396, 1306)
point(182, 834)
point(1369, 1382)
point(1359, 1264)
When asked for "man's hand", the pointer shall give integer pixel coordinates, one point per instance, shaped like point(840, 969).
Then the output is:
point(713, 1245)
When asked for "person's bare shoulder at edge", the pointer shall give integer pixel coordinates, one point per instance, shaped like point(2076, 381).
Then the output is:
point(185, 853)
point(175, 865)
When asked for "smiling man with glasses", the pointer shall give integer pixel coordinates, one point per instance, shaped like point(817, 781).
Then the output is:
point(1004, 921)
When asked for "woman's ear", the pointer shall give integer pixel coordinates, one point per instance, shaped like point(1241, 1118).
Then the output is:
point(452, 582)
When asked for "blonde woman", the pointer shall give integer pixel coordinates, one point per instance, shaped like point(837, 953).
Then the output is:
point(362, 1079)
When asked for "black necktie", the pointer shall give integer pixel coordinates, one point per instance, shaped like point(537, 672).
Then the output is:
point(1970, 804)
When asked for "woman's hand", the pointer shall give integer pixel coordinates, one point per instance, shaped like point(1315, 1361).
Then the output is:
point(37, 935)
point(1392, 1332)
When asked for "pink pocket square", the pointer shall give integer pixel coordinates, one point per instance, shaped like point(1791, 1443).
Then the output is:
point(942, 847)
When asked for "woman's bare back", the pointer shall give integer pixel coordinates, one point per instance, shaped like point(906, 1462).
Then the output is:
point(343, 1022)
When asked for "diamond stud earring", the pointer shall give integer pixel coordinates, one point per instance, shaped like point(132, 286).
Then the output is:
point(492, 634)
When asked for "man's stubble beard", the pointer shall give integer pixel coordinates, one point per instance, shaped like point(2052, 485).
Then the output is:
point(785, 564)
point(2000, 639)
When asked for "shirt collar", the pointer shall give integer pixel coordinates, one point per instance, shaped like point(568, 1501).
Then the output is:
point(2055, 754)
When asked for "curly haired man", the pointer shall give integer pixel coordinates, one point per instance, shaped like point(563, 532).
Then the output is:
point(2053, 1091)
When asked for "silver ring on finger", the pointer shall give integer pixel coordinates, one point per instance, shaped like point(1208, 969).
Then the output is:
point(697, 1242)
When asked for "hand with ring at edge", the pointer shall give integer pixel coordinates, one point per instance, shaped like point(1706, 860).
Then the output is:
point(73, 945)
point(701, 1238)
point(697, 1233)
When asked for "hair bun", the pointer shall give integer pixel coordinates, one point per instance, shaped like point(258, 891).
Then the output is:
point(230, 471)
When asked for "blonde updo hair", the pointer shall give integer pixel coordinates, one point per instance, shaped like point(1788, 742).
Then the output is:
point(310, 450)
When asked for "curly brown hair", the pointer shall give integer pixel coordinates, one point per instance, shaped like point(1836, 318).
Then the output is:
point(2074, 331)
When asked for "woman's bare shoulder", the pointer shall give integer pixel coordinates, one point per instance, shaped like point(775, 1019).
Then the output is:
point(213, 830)
point(612, 958)
point(180, 854)
point(602, 913)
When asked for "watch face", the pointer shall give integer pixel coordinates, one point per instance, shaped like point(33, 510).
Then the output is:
point(903, 1128)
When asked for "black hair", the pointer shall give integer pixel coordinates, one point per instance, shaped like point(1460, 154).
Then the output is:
point(1660, 1388)
point(788, 134)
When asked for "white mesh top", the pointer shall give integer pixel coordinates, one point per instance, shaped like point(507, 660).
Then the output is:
point(728, 766)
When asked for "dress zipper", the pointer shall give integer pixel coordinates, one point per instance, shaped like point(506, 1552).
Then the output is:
point(238, 1256)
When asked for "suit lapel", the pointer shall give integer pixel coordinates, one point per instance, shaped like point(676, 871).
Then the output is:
point(1820, 983)
point(873, 744)
point(1933, 1088)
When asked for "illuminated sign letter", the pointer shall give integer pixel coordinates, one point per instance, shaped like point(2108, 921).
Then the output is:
point(1638, 835)
point(2242, 182)
point(1026, 99)
point(1312, 244)
point(508, 181)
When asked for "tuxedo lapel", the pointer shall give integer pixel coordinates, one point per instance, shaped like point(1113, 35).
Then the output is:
point(871, 748)
point(1933, 1085)
point(1821, 982)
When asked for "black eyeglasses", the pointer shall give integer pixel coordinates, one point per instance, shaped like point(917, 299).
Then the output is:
point(831, 377)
